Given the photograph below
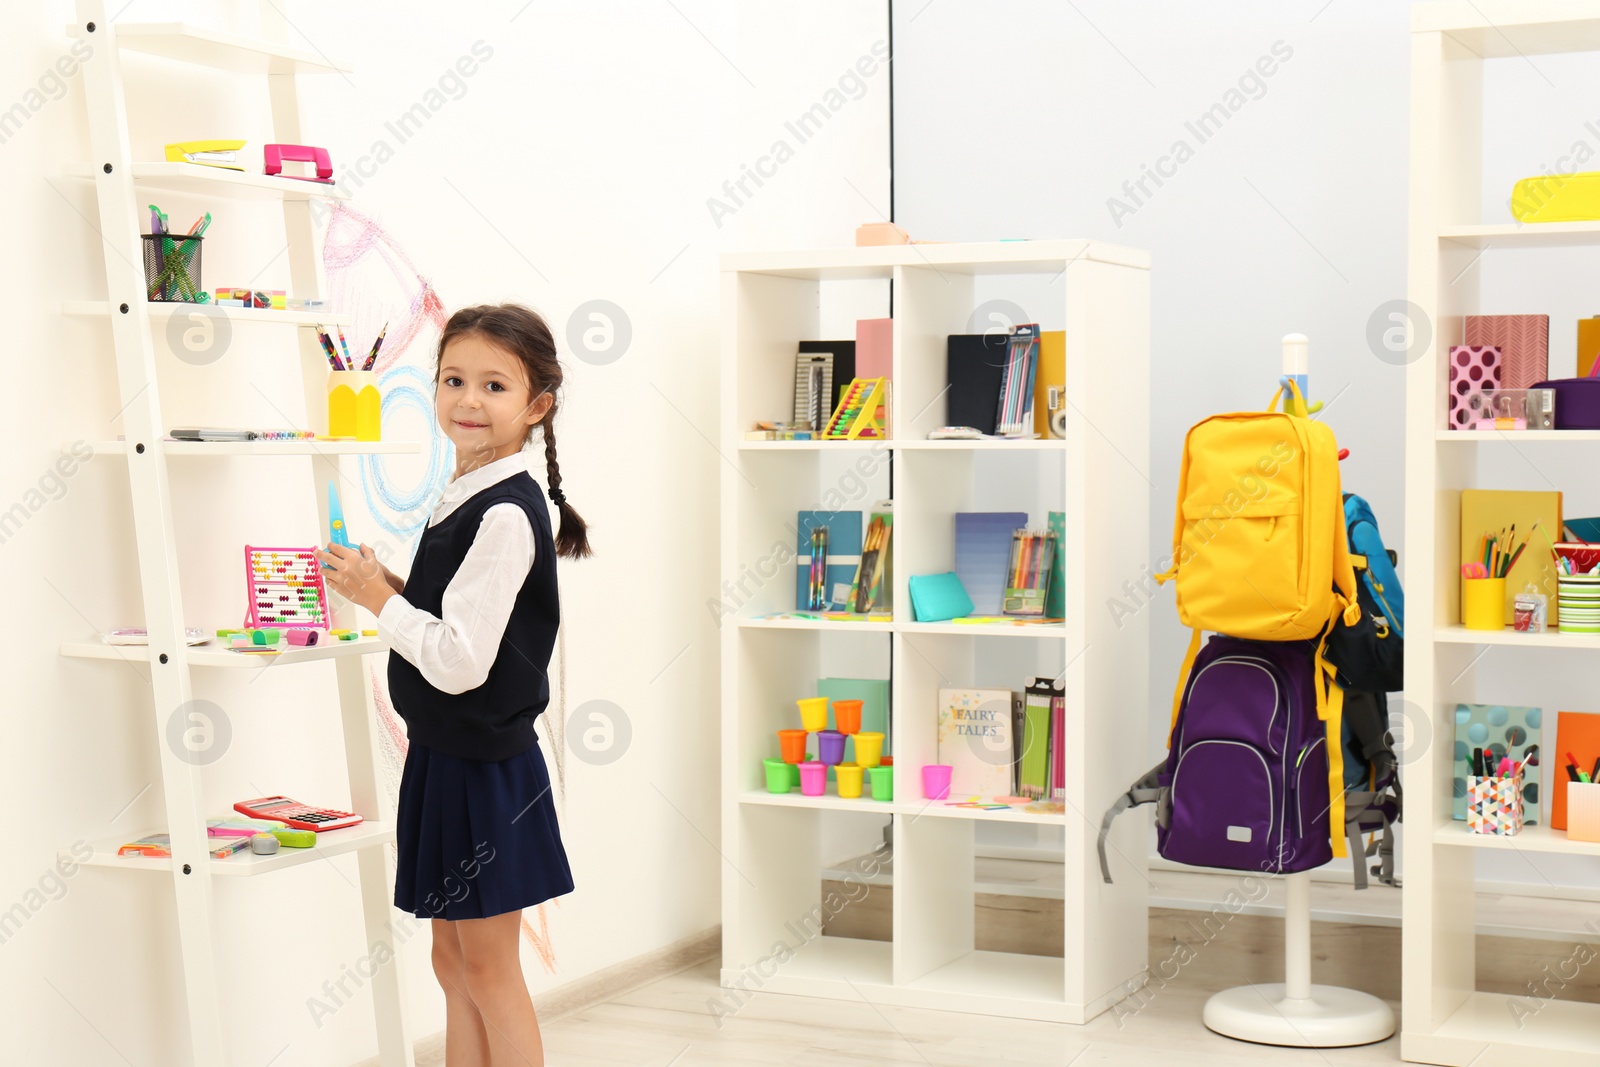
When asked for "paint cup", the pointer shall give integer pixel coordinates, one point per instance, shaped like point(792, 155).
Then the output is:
point(869, 748)
point(780, 779)
point(936, 781)
point(882, 783)
point(792, 745)
point(1483, 603)
point(830, 747)
point(813, 779)
point(813, 713)
point(849, 776)
point(847, 716)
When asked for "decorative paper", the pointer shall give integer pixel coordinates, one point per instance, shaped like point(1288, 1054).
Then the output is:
point(1524, 343)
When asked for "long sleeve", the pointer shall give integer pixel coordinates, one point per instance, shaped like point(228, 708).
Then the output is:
point(454, 653)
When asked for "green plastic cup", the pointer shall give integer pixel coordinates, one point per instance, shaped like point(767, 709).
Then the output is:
point(882, 782)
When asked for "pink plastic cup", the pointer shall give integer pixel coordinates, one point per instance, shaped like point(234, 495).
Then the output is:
point(936, 781)
point(813, 778)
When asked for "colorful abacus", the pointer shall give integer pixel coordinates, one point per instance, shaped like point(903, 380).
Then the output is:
point(285, 588)
point(857, 413)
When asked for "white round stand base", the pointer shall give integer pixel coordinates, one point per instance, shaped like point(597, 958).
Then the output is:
point(1331, 1018)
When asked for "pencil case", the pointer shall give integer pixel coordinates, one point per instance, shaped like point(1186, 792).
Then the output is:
point(1557, 198)
point(1577, 402)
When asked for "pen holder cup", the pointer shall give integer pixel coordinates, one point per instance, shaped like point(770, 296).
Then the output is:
point(1583, 811)
point(813, 713)
point(848, 776)
point(1494, 805)
point(847, 716)
point(936, 781)
point(869, 748)
point(171, 268)
point(813, 779)
point(792, 745)
point(1483, 603)
point(354, 406)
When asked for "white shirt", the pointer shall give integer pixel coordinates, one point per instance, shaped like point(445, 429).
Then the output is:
point(454, 653)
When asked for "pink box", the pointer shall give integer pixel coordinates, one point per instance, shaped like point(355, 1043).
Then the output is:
point(1474, 378)
point(1524, 343)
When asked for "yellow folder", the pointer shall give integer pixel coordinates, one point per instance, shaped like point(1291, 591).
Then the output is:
point(1050, 382)
point(1494, 512)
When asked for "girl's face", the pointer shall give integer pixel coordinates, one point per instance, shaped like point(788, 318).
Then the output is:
point(483, 401)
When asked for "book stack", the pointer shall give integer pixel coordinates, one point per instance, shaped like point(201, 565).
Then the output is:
point(999, 743)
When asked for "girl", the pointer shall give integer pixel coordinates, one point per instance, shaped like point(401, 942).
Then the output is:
point(471, 631)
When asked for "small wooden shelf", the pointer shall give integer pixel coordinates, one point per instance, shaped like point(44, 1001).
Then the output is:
point(1004, 977)
point(1531, 839)
point(214, 181)
point(1460, 635)
point(828, 802)
point(1036, 444)
point(163, 312)
point(1054, 630)
point(218, 49)
point(1513, 437)
point(212, 449)
point(215, 655)
point(247, 864)
point(1523, 234)
point(840, 626)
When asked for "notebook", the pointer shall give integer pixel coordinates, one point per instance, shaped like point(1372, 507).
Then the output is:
point(983, 548)
point(975, 740)
point(1577, 732)
point(974, 365)
point(1524, 343)
point(843, 554)
point(1050, 386)
point(1493, 510)
point(874, 348)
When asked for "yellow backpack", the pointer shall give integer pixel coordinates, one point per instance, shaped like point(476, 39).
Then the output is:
point(1259, 547)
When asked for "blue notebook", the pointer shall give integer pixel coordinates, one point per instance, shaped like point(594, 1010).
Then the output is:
point(844, 554)
point(983, 550)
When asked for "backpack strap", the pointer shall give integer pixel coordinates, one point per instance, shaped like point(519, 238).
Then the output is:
point(1147, 790)
point(1330, 709)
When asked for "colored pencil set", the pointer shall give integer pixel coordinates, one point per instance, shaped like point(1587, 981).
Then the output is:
point(1028, 573)
point(817, 583)
point(1501, 553)
point(868, 582)
point(346, 362)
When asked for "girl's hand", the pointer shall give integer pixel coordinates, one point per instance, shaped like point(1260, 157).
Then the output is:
point(357, 576)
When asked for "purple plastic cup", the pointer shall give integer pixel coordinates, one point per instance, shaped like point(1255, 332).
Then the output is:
point(830, 747)
point(813, 779)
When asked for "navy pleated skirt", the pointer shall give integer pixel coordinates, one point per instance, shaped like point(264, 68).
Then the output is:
point(476, 839)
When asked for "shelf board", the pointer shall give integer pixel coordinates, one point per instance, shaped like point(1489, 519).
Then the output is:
point(1518, 436)
point(999, 976)
point(1036, 444)
point(937, 809)
point(214, 48)
point(163, 312)
point(1510, 29)
point(1531, 839)
point(270, 448)
point(813, 446)
point(1561, 1025)
point(1054, 630)
point(1460, 635)
point(1523, 234)
point(215, 655)
point(815, 624)
point(987, 257)
point(828, 802)
point(214, 181)
point(246, 864)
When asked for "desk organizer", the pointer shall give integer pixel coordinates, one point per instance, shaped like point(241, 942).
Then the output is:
point(354, 405)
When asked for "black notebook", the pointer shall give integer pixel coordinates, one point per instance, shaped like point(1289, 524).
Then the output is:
point(976, 365)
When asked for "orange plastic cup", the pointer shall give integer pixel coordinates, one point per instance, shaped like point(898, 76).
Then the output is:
point(847, 716)
point(792, 745)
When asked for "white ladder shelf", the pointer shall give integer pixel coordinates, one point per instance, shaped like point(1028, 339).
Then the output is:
point(117, 176)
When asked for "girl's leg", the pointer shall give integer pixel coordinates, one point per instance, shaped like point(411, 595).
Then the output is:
point(465, 1042)
point(490, 952)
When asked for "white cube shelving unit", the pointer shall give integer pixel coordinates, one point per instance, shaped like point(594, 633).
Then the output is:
point(1444, 1018)
point(1098, 476)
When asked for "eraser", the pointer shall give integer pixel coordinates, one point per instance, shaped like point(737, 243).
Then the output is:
point(302, 637)
point(263, 844)
point(290, 837)
point(369, 633)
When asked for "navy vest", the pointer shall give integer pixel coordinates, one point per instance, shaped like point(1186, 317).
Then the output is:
point(495, 720)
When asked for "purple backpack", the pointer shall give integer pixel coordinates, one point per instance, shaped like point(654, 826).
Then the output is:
point(1245, 783)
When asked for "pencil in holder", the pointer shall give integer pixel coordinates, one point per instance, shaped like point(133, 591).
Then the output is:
point(172, 267)
point(1583, 811)
point(1483, 603)
point(1494, 805)
point(354, 406)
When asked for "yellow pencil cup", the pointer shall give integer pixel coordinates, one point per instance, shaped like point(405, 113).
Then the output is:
point(354, 406)
point(1483, 603)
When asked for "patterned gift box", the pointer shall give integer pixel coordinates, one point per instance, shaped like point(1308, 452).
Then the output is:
point(1474, 379)
point(1494, 805)
point(1524, 343)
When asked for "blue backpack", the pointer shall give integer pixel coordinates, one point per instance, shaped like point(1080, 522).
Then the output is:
point(1379, 577)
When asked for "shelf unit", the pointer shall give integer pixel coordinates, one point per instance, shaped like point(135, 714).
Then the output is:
point(1444, 1018)
point(1097, 476)
point(120, 184)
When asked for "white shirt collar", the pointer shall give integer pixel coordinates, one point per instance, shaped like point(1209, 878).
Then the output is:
point(474, 482)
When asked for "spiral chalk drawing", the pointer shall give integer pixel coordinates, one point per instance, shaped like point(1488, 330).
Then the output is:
point(372, 279)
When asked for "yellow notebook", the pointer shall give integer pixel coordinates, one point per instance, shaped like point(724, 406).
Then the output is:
point(1491, 511)
point(1051, 374)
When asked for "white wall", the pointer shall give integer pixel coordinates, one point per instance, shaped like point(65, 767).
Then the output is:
point(576, 163)
point(1290, 217)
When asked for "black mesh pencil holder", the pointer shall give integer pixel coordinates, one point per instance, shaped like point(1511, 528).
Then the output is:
point(171, 267)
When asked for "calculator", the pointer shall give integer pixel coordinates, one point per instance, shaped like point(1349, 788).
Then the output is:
point(298, 815)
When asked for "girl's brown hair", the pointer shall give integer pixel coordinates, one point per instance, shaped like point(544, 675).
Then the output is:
point(524, 333)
